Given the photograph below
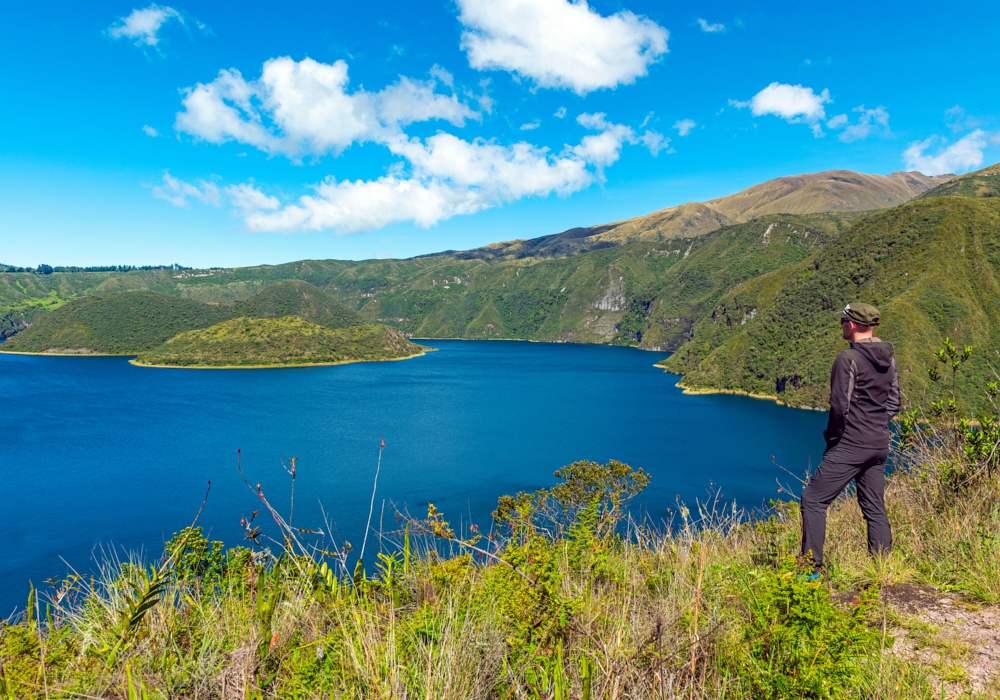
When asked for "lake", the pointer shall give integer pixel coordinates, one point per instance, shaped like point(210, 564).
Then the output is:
point(96, 451)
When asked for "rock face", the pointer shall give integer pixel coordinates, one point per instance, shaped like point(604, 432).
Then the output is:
point(614, 295)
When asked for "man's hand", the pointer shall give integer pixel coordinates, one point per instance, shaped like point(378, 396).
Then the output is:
point(831, 440)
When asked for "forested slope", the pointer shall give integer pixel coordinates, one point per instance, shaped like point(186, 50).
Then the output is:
point(115, 323)
point(932, 266)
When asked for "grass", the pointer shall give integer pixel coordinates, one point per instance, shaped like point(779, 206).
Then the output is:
point(565, 597)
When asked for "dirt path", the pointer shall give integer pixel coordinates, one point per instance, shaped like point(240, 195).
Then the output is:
point(957, 642)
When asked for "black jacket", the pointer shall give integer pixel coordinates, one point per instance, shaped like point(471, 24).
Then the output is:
point(864, 395)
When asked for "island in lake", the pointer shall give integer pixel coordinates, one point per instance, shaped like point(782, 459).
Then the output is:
point(290, 323)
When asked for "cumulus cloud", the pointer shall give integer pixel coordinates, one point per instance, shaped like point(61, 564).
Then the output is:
point(710, 28)
point(560, 43)
point(793, 103)
point(685, 126)
point(299, 108)
point(150, 131)
point(604, 148)
point(869, 121)
point(560, 113)
point(349, 206)
point(530, 126)
point(178, 192)
point(445, 176)
point(963, 155)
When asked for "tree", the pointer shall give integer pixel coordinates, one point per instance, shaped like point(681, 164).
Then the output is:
point(44, 269)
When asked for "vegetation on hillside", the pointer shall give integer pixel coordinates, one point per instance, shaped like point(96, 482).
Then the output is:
point(932, 266)
point(565, 598)
point(982, 183)
point(297, 298)
point(290, 340)
point(114, 323)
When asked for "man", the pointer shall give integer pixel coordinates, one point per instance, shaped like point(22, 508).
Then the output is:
point(864, 396)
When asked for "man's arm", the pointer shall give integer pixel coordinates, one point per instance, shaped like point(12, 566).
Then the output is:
point(892, 404)
point(841, 388)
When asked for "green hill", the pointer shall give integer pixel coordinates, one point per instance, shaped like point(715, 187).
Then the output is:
point(256, 342)
point(982, 183)
point(119, 323)
point(298, 298)
point(932, 266)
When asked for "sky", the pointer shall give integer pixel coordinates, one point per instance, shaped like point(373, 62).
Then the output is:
point(226, 134)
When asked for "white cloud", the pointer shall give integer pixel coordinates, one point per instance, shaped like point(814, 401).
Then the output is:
point(838, 122)
point(249, 199)
point(150, 131)
point(959, 120)
point(710, 28)
point(442, 75)
point(685, 126)
point(558, 43)
point(963, 155)
point(348, 207)
point(446, 176)
point(530, 126)
point(177, 192)
point(871, 120)
point(303, 107)
point(560, 113)
point(604, 148)
point(143, 26)
point(793, 103)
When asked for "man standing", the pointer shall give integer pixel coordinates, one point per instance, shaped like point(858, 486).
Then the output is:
point(864, 396)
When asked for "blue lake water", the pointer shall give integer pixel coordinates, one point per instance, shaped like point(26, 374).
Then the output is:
point(96, 451)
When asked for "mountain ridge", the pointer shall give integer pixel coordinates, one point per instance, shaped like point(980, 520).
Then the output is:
point(810, 193)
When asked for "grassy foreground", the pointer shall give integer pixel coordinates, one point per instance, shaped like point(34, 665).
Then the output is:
point(563, 599)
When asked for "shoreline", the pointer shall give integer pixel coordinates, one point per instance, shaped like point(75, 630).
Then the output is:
point(691, 391)
point(546, 342)
point(282, 366)
point(66, 354)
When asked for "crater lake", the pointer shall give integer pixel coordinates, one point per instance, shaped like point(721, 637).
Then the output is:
point(99, 453)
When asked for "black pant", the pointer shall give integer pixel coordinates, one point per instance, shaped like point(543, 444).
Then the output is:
point(840, 465)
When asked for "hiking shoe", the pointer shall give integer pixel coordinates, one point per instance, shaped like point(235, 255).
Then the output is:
point(811, 578)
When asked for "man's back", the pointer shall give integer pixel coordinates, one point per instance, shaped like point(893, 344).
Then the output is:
point(864, 395)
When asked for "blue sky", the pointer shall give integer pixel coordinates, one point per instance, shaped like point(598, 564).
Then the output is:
point(245, 133)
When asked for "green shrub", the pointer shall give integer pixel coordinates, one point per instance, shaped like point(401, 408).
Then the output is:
point(797, 643)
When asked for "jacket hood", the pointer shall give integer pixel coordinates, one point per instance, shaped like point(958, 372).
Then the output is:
point(879, 353)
